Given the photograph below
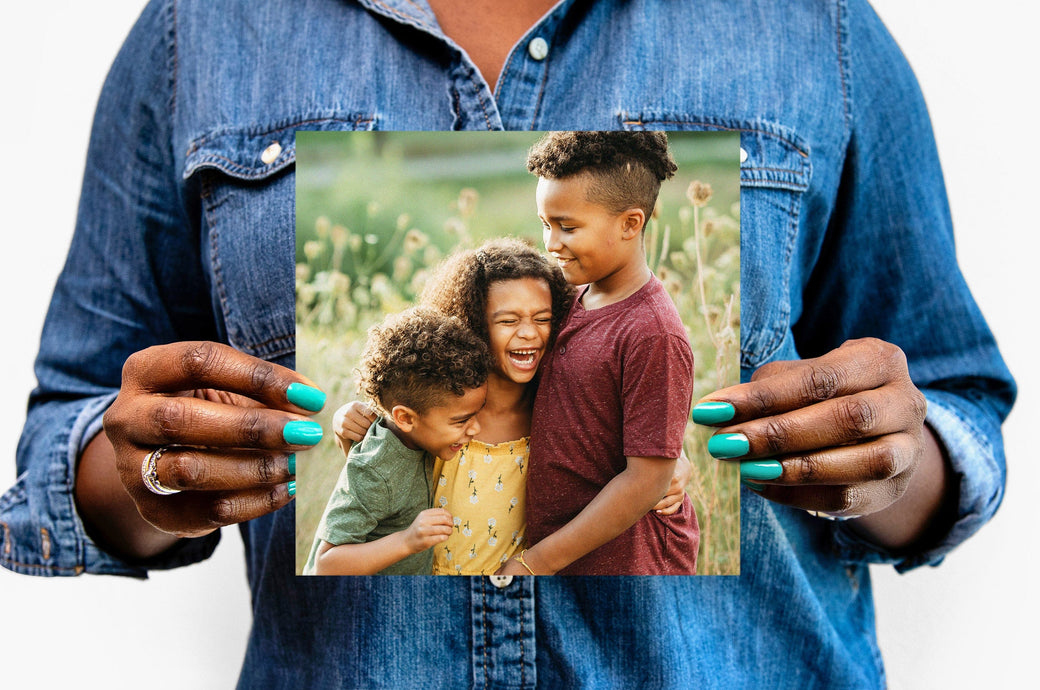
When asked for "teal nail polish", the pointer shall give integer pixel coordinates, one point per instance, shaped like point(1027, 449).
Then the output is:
point(713, 413)
point(752, 485)
point(292, 488)
point(305, 396)
point(292, 464)
point(728, 445)
point(762, 470)
point(297, 433)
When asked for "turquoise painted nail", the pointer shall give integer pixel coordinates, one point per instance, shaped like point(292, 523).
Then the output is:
point(762, 470)
point(306, 433)
point(292, 488)
point(292, 464)
point(752, 485)
point(305, 396)
point(713, 412)
point(728, 445)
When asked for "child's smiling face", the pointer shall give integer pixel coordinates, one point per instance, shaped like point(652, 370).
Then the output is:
point(586, 238)
point(443, 429)
point(519, 314)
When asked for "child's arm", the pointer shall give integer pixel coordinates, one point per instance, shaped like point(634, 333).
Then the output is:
point(625, 499)
point(430, 527)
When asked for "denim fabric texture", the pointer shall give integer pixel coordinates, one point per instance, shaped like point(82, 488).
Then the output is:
point(185, 231)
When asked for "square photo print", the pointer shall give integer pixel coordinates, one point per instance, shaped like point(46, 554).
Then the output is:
point(511, 329)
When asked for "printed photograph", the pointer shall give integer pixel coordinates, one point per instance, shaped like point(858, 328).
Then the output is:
point(511, 328)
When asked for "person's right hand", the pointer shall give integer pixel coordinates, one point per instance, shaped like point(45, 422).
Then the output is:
point(430, 527)
point(229, 424)
point(351, 422)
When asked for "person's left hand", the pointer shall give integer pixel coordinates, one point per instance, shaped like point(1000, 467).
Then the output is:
point(842, 434)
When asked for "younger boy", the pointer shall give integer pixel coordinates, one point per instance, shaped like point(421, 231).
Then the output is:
point(614, 397)
point(427, 375)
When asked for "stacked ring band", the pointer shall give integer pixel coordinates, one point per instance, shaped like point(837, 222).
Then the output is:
point(150, 476)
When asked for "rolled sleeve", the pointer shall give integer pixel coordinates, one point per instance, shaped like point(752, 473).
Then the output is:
point(42, 534)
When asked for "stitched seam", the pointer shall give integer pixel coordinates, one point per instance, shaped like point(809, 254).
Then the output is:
point(75, 569)
point(841, 67)
point(199, 143)
point(483, 616)
point(641, 123)
point(545, 79)
point(523, 670)
point(409, 19)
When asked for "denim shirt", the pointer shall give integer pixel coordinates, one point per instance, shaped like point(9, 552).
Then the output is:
point(185, 231)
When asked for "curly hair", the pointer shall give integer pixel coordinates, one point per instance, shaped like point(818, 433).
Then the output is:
point(627, 168)
point(460, 285)
point(416, 357)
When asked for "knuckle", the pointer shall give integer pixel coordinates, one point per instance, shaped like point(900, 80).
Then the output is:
point(251, 430)
point(857, 415)
point(807, 467)
point(223, 511)
point(170, 416)
point(261, 376)
point(775, 435)
point(823, 383)
point(200, 358)
point(266, 469)
point(186, 469)
point(273, 500)
point(882, 461)
point(762, 398)
point(920, 405)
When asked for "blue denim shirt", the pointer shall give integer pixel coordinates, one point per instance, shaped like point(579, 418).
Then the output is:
point(185, 231)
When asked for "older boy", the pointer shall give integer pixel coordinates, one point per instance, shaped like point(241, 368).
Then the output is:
point(612, 406)
point(427, 374)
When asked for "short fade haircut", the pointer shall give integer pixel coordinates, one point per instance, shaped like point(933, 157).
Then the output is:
point(415, 358)
point(461, 284)
point(627, 168)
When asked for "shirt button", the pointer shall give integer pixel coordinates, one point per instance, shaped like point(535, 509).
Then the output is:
point(743, 154)
point(271, 153)
point(538, 48)
point(501, 581)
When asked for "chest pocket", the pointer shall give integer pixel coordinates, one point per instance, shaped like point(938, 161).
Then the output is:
point(775, 171)
point(245, 182)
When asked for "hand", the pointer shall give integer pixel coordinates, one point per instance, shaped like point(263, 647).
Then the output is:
point(673, 500)
point(843, 433)
point(228, 427)
point(350, 423)
point(430, 527)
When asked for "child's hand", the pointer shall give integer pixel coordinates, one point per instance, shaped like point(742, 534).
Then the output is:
point(351, 423)
point(430, 527)
point(673, 500)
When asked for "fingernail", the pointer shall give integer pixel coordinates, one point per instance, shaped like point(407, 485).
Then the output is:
point(301, 433)
point(292, 488)
point(762, 470)
point(305, 396)
point(752, 485)
point(728, 445)
point(713, 412)
point(292, 464)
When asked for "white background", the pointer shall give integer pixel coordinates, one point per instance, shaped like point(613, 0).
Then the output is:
point(970, 622)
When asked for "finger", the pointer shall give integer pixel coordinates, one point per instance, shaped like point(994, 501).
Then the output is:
point(874, 461)
point(197, 513)
point(199, 469)
point(201, 364)
point(161, 421)
point(666, 508)
point(841, 501)
point(780, 387)
point(852, 418)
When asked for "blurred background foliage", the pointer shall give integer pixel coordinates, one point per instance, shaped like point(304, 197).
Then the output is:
point(376, 211)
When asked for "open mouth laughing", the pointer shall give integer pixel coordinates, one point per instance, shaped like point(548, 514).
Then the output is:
point(523, 359)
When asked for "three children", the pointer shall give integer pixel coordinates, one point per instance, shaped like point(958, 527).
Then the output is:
point(614, 392)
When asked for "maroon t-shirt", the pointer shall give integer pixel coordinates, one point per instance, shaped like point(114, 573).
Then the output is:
point(618, 383)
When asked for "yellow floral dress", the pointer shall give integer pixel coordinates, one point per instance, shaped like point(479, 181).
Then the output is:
point(483, 488)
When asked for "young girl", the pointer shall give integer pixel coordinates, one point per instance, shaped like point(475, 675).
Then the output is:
point(508, 293)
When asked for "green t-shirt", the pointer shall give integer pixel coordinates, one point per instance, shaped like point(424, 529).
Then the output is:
point(381, 489)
